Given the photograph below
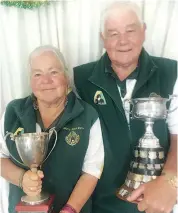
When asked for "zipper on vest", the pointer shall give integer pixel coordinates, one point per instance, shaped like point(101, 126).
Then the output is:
point(145, 80)
point(68, 120)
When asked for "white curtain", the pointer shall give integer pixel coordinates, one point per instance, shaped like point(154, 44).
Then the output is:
point(73, 26)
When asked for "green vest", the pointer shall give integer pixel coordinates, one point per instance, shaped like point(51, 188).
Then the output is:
point(63, 168)
point(156, 75)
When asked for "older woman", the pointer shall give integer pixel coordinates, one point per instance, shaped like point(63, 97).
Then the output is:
point(72, 170)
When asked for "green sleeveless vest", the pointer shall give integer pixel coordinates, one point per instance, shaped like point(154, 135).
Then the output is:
point(156, 75)
point(63, 168)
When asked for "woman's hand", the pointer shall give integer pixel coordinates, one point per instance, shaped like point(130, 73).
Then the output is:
point(31, 182)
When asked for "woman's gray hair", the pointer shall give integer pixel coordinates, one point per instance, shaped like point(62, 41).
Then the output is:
point(119, 6)
point(49, 48)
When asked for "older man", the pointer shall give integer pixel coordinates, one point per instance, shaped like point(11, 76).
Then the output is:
point(126, 70)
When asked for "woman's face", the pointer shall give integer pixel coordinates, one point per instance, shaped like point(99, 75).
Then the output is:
point(48, 80)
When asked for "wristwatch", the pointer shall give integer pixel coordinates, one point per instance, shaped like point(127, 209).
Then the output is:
point(171, 178)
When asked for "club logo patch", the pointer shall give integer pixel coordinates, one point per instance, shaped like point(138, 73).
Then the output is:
point(99, 98)
point(72, 138)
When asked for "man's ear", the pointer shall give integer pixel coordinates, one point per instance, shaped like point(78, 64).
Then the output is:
point(101, 36)
point(144, 31)
point(144, 26)
point(102, 39)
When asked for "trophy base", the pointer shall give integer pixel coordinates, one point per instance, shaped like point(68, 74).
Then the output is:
point(36, 200)
point(132, 182)
point(46, 207)
point(123, 192)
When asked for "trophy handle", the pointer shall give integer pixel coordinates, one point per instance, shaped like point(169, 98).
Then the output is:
point(170, 98)
point(12, 136)
point(50, 134)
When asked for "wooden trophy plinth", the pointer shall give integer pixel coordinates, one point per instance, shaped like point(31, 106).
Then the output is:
point(46, 207)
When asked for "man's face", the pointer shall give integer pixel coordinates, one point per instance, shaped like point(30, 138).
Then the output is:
point(123, 37)
point(48, 80)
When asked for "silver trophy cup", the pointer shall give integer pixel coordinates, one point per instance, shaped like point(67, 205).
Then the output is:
point(32, 149)
point(149, 156)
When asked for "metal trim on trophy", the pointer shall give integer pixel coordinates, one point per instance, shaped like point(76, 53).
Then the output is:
point(149, 156)
point(32, 149)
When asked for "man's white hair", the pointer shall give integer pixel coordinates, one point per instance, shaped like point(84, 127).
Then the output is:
point(49, 48)
point(117, 7)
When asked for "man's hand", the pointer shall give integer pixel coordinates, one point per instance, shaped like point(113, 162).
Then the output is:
point(158, 196)
point(32, 183)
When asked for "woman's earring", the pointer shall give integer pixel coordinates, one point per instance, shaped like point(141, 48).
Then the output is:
point(69, 90)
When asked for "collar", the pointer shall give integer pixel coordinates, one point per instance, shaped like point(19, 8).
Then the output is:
point(26, 112)
point(106, 82)
point(101, 78)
